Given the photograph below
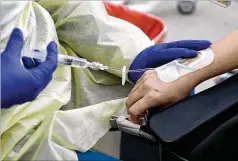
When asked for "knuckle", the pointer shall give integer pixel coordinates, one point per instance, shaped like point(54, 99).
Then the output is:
point(147, 81)
point(148, 84)
point(151, 94)
point(132, 111)
point(152, 97)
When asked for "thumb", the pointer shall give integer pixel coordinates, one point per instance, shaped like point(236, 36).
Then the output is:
point(15, 43)
point(46, 69)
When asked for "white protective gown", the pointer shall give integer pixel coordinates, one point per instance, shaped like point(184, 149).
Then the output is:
point(73, 112)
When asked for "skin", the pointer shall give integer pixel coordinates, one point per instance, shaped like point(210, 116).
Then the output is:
point(150, 91)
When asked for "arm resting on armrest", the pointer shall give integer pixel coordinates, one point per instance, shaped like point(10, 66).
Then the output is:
point(150, 91)
point(197, 116)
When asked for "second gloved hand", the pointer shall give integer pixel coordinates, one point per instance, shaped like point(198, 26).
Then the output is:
point(20, 84)
point(161, 54)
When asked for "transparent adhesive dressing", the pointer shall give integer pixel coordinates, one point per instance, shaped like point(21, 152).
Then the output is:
point(175, 69)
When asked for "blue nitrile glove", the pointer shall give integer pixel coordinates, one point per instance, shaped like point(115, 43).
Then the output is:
point(90, 156)
point(20, 84)
point(161, 54)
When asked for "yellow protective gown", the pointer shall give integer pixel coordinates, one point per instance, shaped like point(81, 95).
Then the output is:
point(55, 125)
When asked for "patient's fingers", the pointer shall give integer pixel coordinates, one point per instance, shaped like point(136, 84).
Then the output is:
point(139, 108)
point(134, 97)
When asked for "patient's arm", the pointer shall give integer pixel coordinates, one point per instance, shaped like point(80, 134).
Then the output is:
point(226, 58)
point(150, 91)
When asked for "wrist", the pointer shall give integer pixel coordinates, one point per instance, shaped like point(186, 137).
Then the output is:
point(188, 83)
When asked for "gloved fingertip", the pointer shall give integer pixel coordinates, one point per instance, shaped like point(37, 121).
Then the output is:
point(52, 47)
point(15, 42)
point(203, 44)
point(52, 55)
point(191, 54)
point(200, 44)
point(17, 33)
point(16, 38)
point(52, 52)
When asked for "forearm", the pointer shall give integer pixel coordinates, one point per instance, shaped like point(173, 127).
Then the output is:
point(226, 59)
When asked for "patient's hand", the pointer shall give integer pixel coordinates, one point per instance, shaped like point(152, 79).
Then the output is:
point(150, 92)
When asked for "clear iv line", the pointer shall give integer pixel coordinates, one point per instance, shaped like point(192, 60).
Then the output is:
point(140, 70)
point(131, 71)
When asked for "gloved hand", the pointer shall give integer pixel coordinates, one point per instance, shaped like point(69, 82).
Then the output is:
point(20, 84)
point(161, 54)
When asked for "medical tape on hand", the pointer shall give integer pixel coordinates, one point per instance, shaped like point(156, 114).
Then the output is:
point(174, 70)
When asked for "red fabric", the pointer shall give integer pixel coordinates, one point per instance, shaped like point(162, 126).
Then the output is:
point(152, 26)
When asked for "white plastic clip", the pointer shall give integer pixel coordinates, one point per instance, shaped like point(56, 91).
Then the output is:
point(123, 75)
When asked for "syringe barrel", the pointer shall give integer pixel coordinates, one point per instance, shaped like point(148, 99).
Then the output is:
point(62, 59)
point(73, 61)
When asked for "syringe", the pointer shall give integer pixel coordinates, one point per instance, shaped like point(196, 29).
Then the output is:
point(77, 62)
point(64, 59)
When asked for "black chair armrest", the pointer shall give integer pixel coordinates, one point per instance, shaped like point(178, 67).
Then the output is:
point(197, 116)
